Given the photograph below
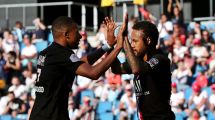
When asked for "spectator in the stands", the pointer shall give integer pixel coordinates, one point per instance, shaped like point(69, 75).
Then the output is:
point(100, 89)
point(211, 71)
point(113, 91)
point(15, 106)
point(198, 99)
point(18, 31)
point(165, 27)
point(2, 64)
point(128, 101)
point(99, 39)
point(30, 78)
point(190, 38)
point(177, 99)
point(198, 50)
point(39, 34)
point(29, 52)
point(178, 33)
point(84, 46)
point(9, 43)
point(25, 98)
point(197, 30)
point(131, 22)
point(195, 115)
point(201, 66)
point(176, 13)
point(12, 67)
point(202, 79)
point(181, 74)
point(212, 98)
point(73, 112)
point(4, 102)
point(206, 39)
point(178, 49)
point(86, 109)
point(17, 87)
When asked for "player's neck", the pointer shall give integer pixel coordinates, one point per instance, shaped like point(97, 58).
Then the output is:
point(60, 42)
point(148, 55)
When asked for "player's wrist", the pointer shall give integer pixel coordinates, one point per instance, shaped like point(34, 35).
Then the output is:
point(106, 47)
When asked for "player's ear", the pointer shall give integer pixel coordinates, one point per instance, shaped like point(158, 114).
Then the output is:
point(148, 40)
point(67, 35)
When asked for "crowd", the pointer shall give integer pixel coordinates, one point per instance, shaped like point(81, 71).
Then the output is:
point(190, 49)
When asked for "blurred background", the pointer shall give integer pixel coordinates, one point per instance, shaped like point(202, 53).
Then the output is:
point(186, 35)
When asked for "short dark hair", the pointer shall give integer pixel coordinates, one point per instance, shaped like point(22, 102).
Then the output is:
point(12, 53)
point(62, 24)
point(149, 30)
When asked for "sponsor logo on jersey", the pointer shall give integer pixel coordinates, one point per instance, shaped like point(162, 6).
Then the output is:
point(138, 88)
point(39, 89)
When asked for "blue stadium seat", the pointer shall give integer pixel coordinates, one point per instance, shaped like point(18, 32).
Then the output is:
point(88, 93)
point(135, 117)
point(104, 107)
point(21, 46)
point(50, 38)
point(213, 36)
point(179, 116)
point(210, 116)
point(116, 104)
point(188, 93)
point(5, 117)
point(21, 117)
point(208, 90)
point(106, 116)
point(41, 45)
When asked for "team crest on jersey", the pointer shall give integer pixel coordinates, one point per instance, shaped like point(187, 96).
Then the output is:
point(74, 58)
point(153, 62)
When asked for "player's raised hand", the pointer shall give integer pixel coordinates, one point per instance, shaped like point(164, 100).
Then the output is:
point(122, 32)
point(110, 27)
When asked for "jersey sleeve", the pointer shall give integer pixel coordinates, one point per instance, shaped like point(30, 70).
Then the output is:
point(73, 63)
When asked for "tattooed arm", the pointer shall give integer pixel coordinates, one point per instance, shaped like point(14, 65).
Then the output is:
point(133, 61)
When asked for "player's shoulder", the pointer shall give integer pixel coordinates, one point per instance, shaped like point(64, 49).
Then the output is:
point(57, 50)
point(161, 57)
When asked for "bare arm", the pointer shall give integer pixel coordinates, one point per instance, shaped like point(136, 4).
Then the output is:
point(39, 23)
point(94, 72)
point(132, 59)
point(211, 106)
point(17, 65)
point(93, 57)
point(110, 26)
point(29, 57)
point(202, 102)
point(191, 100)
point(116, 66)
point(178, 5)
point(169, 7)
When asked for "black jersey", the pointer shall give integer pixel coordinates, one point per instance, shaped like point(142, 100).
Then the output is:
point(55, 74)
point(153, 88)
